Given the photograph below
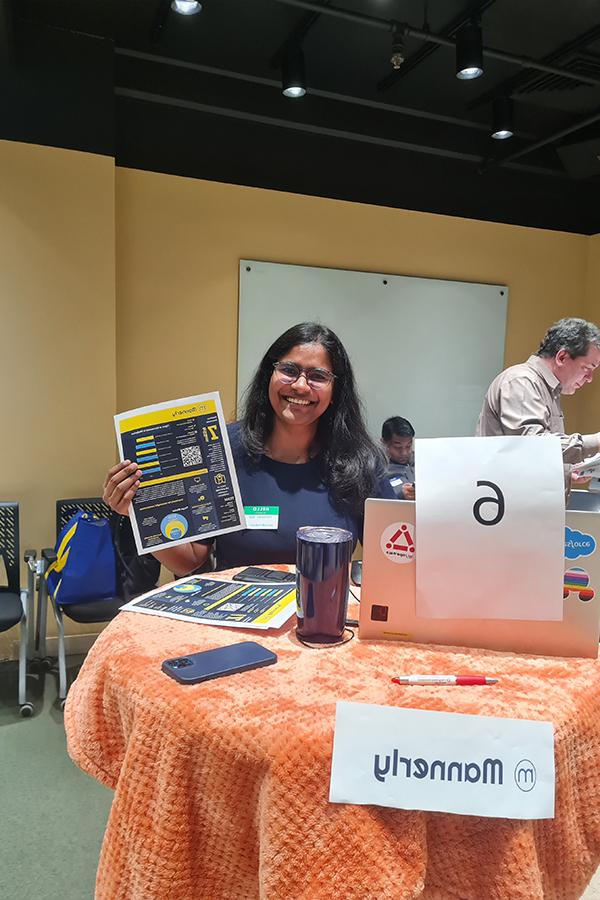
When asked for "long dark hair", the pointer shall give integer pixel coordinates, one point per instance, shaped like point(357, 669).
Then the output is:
point(351, 462)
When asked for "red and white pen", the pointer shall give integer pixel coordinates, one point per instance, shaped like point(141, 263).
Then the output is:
point(444, 679)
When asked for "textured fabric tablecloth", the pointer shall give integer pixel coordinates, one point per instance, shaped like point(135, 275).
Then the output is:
point(221, 788)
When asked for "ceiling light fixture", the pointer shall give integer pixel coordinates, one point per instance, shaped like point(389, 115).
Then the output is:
point(186, 7)
point(502, 119)
point(398, 50)
point(469, 52)
point(293, 79)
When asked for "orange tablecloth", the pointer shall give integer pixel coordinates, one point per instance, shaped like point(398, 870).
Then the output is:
point(221, 788)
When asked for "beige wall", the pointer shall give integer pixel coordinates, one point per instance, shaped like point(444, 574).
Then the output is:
point(590, 397)
point(179, 242)
point(57, 366)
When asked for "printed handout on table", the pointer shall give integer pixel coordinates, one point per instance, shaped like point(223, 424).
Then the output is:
point(212, 601)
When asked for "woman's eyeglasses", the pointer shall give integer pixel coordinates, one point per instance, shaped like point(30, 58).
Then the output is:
point(289, 372)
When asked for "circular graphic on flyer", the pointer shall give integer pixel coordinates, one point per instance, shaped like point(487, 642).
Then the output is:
point(398, 542)
point(174, 526)
point(188, 587)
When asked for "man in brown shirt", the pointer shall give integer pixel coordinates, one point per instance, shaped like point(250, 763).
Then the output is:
point(525, 399)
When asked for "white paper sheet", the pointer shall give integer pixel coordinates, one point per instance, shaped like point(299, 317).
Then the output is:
point(490, 523)
point(444, 762)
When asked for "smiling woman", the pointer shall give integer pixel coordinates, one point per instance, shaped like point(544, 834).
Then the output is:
point(301, 450)
point(300, 390)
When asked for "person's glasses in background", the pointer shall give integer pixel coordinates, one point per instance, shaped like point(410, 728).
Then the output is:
point(289, 372)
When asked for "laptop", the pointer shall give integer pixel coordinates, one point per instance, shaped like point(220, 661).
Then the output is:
point(388, 591)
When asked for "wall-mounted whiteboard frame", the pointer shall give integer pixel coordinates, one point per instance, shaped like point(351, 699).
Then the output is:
point(422, 348)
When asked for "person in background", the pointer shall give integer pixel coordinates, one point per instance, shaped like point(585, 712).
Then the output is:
point(301, 447)
point(397, 437)
point(525, 399)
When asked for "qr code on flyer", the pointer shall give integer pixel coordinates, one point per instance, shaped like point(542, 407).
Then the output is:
point(191, 456)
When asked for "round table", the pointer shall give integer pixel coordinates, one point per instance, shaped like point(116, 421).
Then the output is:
point(221, 788)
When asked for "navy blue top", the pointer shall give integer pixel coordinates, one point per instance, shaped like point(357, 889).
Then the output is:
point(302, 497)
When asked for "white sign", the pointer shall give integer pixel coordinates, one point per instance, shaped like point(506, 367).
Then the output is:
point(442, 762)
point(490, 524)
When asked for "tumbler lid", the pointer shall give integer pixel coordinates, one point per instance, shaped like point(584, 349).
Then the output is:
point(323, 534)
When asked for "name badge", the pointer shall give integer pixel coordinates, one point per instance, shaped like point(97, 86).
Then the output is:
point(396, 481)
point(264, 518)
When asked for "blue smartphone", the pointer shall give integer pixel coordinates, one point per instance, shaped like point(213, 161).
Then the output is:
point(222, 661)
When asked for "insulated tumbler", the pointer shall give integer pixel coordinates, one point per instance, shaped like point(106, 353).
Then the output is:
point(322, 559)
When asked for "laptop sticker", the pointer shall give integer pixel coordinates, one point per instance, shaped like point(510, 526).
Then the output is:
point(398, 542)
point(578, 544)
point(577, 581)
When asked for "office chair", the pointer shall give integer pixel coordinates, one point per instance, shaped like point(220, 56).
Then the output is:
point(16, 605)
point(89, 612)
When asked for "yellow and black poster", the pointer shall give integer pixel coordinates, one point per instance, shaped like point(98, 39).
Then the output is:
point(188, 488)
point(219, 602)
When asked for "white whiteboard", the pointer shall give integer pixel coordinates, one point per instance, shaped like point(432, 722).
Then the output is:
point(421, 348)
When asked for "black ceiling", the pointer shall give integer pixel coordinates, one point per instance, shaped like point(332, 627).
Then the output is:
point(201, 96)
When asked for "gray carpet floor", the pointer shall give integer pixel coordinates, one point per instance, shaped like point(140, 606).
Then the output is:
point(52, 816)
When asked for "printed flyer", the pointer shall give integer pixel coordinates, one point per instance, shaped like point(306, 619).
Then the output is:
point(219, 602)
point(189, 488)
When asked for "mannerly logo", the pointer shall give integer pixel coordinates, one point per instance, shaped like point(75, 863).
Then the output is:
point(525, 775)
point(489, 771)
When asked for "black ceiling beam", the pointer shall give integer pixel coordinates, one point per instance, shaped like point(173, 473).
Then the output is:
point(551, 139)
point(511, 85)
point(260, 119)
point(314, 92)
point(408, 31)
point(296, 35)
point(450, 30)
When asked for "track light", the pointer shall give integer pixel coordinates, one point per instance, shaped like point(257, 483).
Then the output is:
point(186, 7)
point(398, 51)
point(293, 81)
point(469, 52)
point(502, 119)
